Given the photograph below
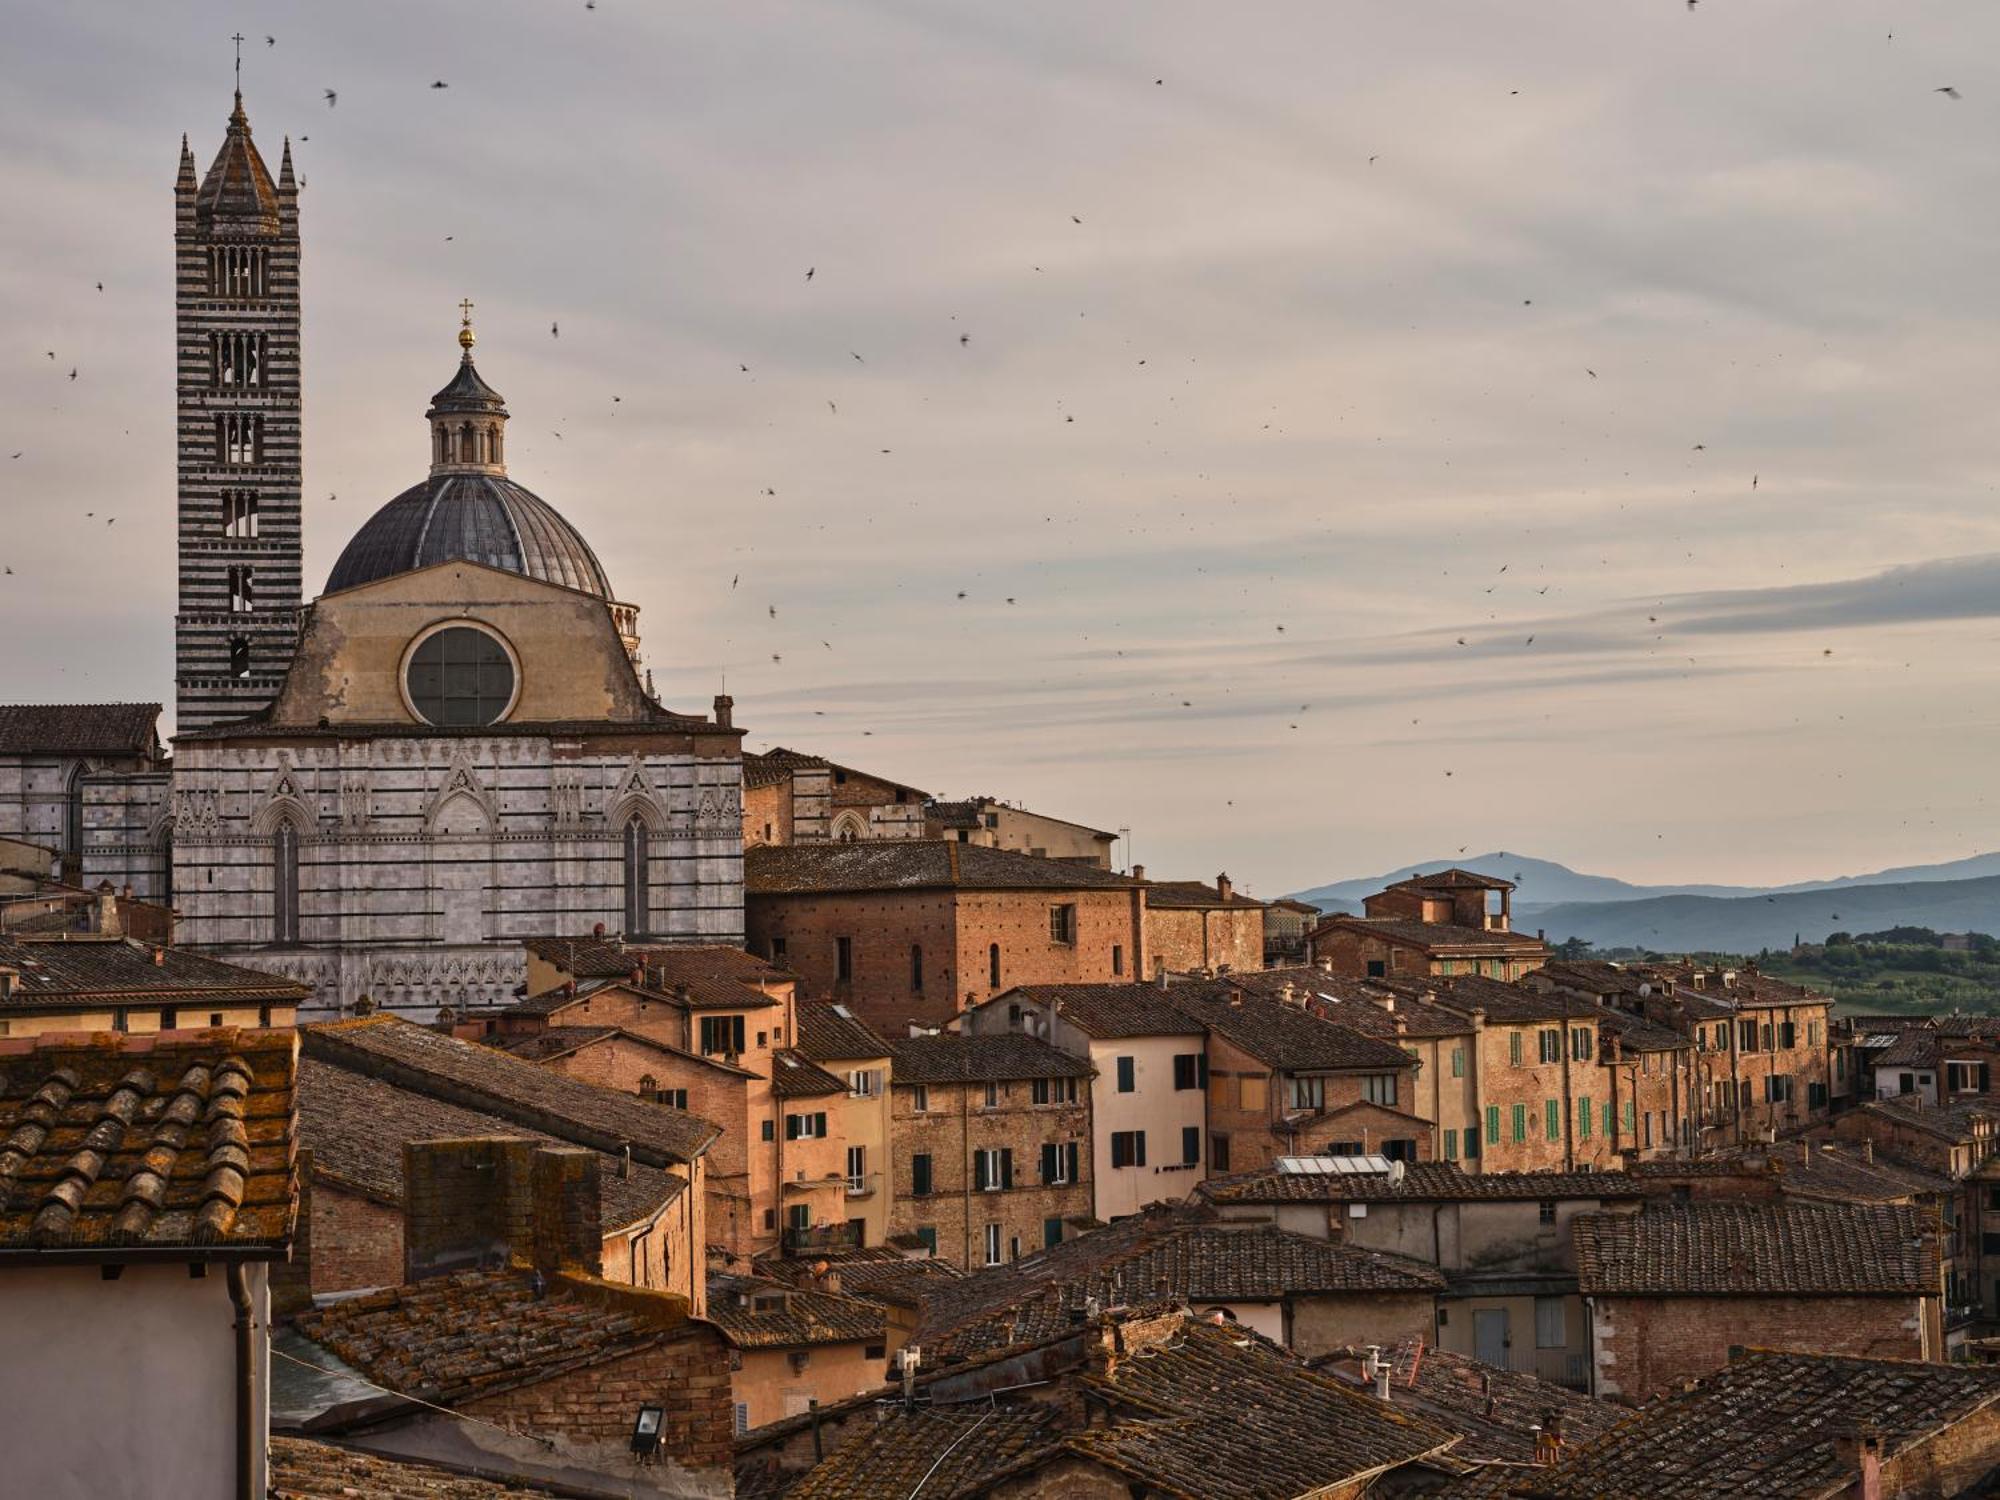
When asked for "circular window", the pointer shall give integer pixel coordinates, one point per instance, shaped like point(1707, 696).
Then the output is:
point(460, 677)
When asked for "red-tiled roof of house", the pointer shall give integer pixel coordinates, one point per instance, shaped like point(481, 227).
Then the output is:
point(181, 1140)
point(356, 1127)
point(1495, 1412)
point(951, 1452)
point(556, 1042)
point(452, 1339)
point(980, 1059)
point(538, 1098)
point(1828, 1171)
point(1764, 1427)
point(706, 975)
point(1453, 879)
point(305, 1470)
point(1511, 1004)
point(1287, 1037)
point(1965, 1121)
point(796, 1076)
point(758, 1312)
point(79, 728)
point(1107, 1011)
point(95, 971)
point(910, 865)
point(830, 1032)
point(1438, 937)
point(1636, 1034)
point(1195, 895)
point(1719, 1249)
point(1425, 1182)
point(1382, 1008)
point(876, 1274)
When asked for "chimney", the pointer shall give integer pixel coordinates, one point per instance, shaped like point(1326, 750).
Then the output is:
point(1868, 1152)
point(1139, 873)
point(725, 708)
point(1859, 1453)
point(496, 1200)
point(1223, 888)
point(106, 921)
point(597, 929)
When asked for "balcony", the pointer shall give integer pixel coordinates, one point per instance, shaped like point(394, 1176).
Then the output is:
point(821, 1237)
point(862, 1186)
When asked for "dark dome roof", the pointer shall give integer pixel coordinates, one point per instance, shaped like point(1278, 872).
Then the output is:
point(482, 518)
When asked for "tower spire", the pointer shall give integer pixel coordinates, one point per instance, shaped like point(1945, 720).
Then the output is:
point(468, 417)
point(238, 39)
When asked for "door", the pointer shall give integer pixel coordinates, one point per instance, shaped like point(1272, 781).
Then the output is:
point(1489, 1336)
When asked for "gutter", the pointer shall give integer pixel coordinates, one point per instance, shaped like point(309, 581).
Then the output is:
point(247, 1437)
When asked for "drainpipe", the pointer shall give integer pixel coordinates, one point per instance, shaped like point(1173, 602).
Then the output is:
point(965, 1166)
point(238, 1278)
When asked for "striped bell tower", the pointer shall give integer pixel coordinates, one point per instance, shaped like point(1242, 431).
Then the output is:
point(236, 303)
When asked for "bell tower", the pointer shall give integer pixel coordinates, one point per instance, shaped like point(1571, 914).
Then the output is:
point(236, 304)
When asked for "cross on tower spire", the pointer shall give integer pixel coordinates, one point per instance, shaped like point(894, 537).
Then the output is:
point(238, 39)
point(465, 336)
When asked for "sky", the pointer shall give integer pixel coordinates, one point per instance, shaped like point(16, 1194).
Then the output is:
point(1315, 437)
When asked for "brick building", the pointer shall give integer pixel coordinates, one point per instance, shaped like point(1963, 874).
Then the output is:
point(991, 1144)
point(1196, 928)
point(794, 1345)
point(1149, 1107)
point(1501, 1239)
point(836, 1039)
point(1671, 1288)
point(1276, 1071)
point(88, 982)
point(791, 797)
point(1453, 922)
point(1286, 923)
point(369, 1089)
point(994, 824)
point(555, 1360)
point(912, 931)
point(723, 1031)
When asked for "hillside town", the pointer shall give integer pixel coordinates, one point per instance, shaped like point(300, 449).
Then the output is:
point(433, 1066)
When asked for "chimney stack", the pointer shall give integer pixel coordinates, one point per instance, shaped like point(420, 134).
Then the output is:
point(1139, 873)
point(1868, 1152)
point(1859, 1453)
point(492, 1200)
point(1223, 888)
point(725, 708)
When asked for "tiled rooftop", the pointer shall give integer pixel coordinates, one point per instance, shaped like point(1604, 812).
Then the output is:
point(909, 865)
point(951, 1058)
point(1384, 1008)
point(1288, 1038)
point(1764, 1428)
point(702, 977)
point(303, 1470)
point(95, 972)
point(756, 1312)
point(1107, 1011)
point(879, 1274)
point(452, 1339)
point(357, 1125)
point(1443, 937)
point(830, 1032)
point(481, 1078)
point(1756, 1250)
point(1422, 1182)
point(1195, 895)
point(78, 728)
point(796, 1076)
point(952, 1452)
point(1512, 1004)
point(166, 1140)
point(1044, 1296)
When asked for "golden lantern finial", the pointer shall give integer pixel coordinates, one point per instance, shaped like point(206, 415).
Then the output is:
point(466, 338)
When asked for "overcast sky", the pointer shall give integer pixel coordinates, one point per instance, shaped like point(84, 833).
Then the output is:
point(1565, 427)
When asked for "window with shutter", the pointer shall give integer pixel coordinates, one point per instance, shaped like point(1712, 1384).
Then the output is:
point(1073, 1157)
point(1190, 1145)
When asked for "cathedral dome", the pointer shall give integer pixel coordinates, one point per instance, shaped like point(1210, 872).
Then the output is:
point(469, 509)
point(478, 517)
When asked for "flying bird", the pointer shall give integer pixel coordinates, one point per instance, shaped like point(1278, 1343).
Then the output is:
point(1074, 219)
point(809, 272)
point(332, 97)
point(964, 339)
point(1948, 91)
point(440, 84)
point(857, 358)
point(554, 331)
point(270, 41)
point(72, 372)
point(100, 286)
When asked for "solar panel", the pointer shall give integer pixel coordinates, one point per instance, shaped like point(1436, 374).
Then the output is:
point(1334, 1166)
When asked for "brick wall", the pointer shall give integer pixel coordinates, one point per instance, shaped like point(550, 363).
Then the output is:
point(957, 1124)
point(1018, 921)
point(688, 1375)
point(1531, 1084)
point(1184, 939)
point(356, 1241)
point(466, 1202)
point(1641, 1346)
point(1366, 1125)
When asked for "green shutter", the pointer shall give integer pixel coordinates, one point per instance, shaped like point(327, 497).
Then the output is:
point(1492, 1122)
point(1451, 1145)
point(1631, 1118)
point(1520, 1122)
point(1458, 1062)
point(1554, 1112)
point(1583, 1118)
point(1514, 1048)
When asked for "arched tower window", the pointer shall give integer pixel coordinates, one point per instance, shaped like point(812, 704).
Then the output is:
point(165, 845)
point(285, 884)
point(638, 877)
point(72, 834)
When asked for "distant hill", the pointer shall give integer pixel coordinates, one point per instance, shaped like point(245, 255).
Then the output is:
point(1745, 924)
point(1538, 882)
point(1974, 868)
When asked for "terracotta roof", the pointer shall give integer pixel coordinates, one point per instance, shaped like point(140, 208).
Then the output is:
point(1510, 1004)
point(1453, 879)
point(1914, 1048)
point(1275, 1033)
point(1441, 937)
point(980, 1059)
point(796, 1076)
point(1194, 895)
point(1201, 1413)
point(910, 865)
point(1824, 1170)
point(1106, 1011)
point(302, 1470)
point(357, 1126)
point(1304, 908)
point(1043, 1296)
point(710, 975)
point(1750, 989)
point(953, 1452)
point(452, 1339)
point(480, 1078)
point(1422, 1182)
point(757, 1312)
point(1961, 1121)
point(1764, 1428)
point(181, 1141)
point(1636, 1034)
point(877, 1274)
point(1756, 1250)
point(967, 813)
point(93, 971)
point(1595, 977)
point(563, 1041)
point(1493, 1411)
point(1384, 1008)
point(830, 1032)
point(79, 728)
